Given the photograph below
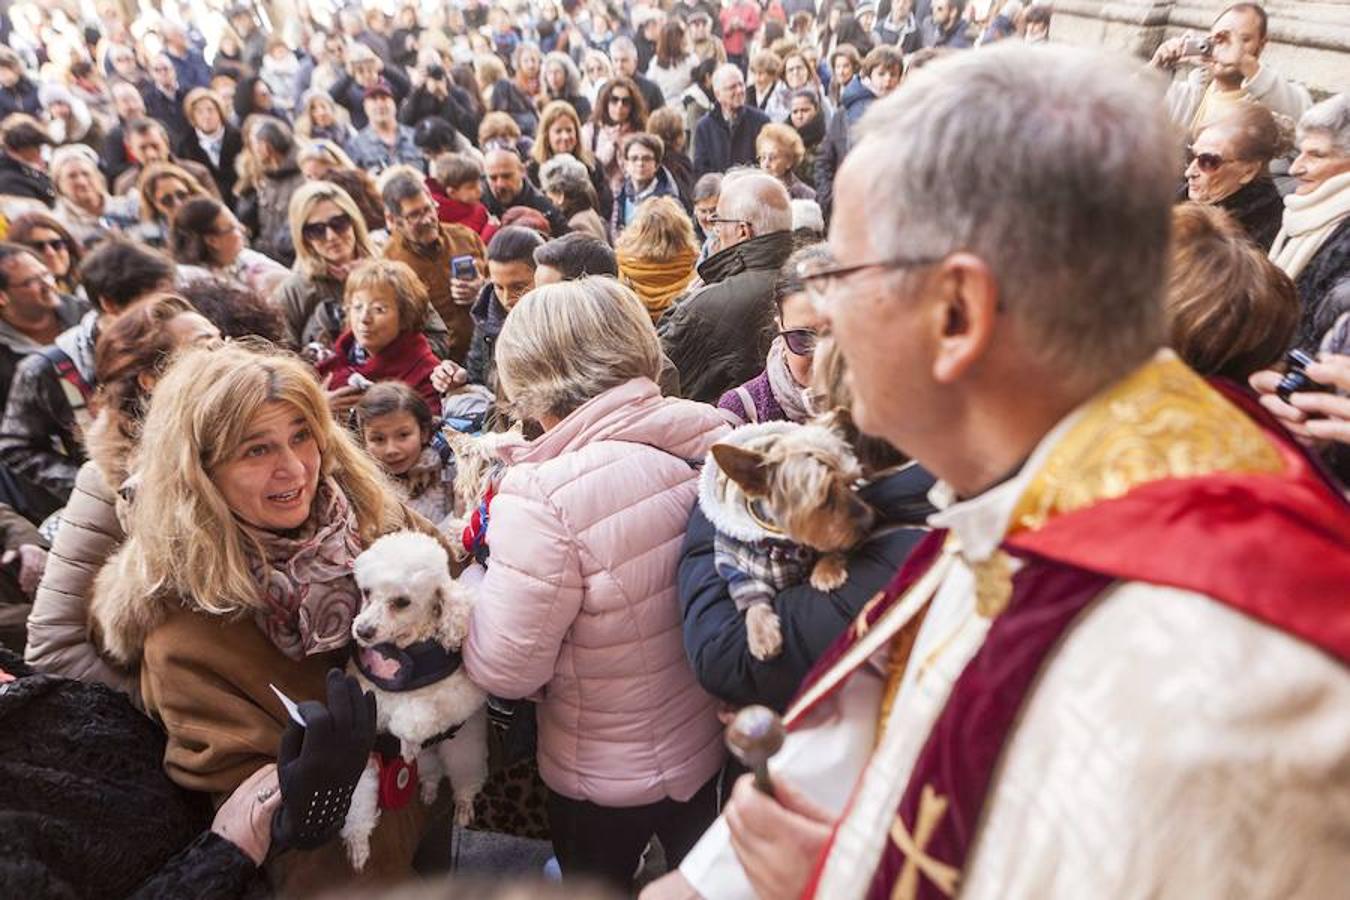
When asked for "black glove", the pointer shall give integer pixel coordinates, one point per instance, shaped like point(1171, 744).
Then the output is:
point(319, 764)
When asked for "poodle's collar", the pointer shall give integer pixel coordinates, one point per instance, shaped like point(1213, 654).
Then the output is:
point(397, 669)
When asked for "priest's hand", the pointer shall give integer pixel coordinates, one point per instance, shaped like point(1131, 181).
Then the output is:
point(1328, 414)
point(777, 839)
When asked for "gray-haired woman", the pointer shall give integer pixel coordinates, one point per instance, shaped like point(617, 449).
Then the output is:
point(1313, 246)
point(567, 183)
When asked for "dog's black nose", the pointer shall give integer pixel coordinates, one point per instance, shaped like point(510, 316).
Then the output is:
point(365, 632)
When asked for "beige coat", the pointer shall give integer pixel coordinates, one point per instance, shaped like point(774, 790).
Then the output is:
point(58, 628)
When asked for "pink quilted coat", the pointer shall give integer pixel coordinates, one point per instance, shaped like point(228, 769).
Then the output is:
point(579, 601)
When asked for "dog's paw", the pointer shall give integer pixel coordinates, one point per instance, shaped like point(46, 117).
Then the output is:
point(763, 631)
point(464, 810)
point(829, 572)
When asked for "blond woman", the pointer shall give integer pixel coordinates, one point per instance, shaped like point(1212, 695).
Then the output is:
point(657, 253)
point(236, 577)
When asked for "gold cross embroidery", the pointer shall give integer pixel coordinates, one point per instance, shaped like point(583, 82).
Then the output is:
point(932, 807)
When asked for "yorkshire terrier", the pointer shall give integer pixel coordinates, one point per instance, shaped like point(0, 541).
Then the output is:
point(782, 499)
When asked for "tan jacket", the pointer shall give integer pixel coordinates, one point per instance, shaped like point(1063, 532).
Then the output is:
point(434, 272)
point(58, 628)
point(207, 680)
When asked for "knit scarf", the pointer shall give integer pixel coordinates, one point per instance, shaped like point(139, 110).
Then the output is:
point(306, 580)
point(658, 282)
point(1309, 219)
point(791, 396)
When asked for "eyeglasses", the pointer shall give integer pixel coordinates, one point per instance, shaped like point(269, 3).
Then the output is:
point(642, 159)
point(715, 219)
point(419, 214)
point(1208, 163)
point(819, 278)
point(621, 101)
point(56, 245)
point(800, 341)
point(317, 231)
point(359, 310)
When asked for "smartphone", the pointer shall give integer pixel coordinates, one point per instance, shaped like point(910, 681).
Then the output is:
point(463, 268)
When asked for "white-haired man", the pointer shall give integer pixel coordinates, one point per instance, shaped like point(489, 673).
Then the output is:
point(1121, 657)
point(719, 337)
point(726, 134)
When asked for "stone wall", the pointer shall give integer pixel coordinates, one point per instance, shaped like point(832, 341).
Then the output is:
point(1309, 42)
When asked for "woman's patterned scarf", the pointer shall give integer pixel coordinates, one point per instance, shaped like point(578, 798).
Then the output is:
point(306, 580)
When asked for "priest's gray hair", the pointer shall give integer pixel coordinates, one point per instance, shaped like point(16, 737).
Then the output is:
point(1056, 166)
point(1331, 116)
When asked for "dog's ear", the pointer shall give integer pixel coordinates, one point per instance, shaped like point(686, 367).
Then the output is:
point(748, 468)
point(840, 421)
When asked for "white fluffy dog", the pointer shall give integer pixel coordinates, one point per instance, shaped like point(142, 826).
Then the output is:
point(413, 621)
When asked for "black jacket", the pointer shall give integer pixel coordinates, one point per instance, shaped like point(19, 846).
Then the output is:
point(86, 809)
point(718, 146)
point(1324, 288)
point(169, 112)
point(422, 104)
point(225, 174)
point(714, 631)
point(114, 155)
point(350, 95)
point(508, 98)
point(1258, 208)
point(488, 316)
point(651, 94)
point(20, 180)
point(719, 337)
point(529, 196)
point(22, 98)
point(854, 100)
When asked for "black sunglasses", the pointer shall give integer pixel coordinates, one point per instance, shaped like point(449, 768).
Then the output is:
point(626, 101)
point(1208, 162)
point(173, 198)
point(54, 244)
point(800, 341)
point(338, 225)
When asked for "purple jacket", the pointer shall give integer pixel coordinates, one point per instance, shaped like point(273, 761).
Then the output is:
point(761, 395)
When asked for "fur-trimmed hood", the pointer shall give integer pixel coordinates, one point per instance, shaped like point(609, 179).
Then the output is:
point(721, 499)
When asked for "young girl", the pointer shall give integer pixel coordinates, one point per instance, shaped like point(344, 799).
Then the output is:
point(399, 432)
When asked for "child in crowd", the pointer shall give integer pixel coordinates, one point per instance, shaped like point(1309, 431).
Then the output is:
point(456, 184)
point(401, 434)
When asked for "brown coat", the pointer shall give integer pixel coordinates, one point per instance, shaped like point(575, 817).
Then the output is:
point(434, 272)
point(206, 678)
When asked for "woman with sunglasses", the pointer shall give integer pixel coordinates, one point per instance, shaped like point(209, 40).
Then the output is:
point(330, 239)
point(163, 188)
point(53, 244)
point(207, 241)
point(781, 391)
point(1230, 168)
point(619, 111)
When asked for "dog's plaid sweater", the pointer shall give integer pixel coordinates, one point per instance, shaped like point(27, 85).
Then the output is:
point(755, 571)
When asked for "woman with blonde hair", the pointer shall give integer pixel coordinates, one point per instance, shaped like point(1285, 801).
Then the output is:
point(131, 356)
point(330, 239)
point(83, 203)
point(656, 254)
point(779, 150)
point(629, 744)
point(560, 132)
point(596, 69)
point(235, 583)
point(322, 118)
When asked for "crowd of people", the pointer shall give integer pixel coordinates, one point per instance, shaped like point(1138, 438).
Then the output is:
point(276, 283)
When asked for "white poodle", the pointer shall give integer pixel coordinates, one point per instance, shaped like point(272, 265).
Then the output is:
point(413, 621)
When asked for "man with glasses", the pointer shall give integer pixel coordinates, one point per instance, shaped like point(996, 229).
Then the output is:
point(719, 336)
point(645, 177)
point(506, 186)
point(725, 136)
point(447, 258)
point(32, 311)
point(148, 142)
point(1087, 681)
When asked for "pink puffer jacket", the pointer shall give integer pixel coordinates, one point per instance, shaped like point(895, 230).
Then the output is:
point(579, 599)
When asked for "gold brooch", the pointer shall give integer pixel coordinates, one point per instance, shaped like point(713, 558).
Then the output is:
point(993, 584)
